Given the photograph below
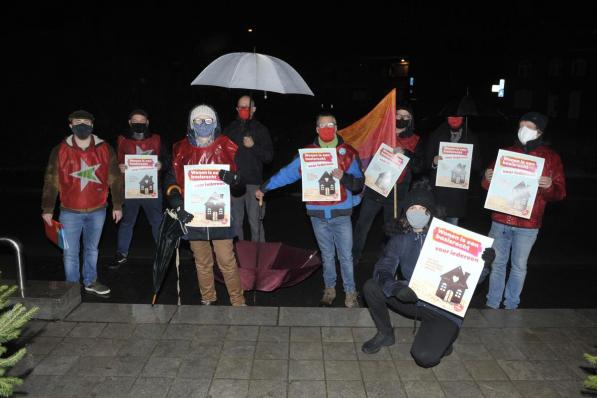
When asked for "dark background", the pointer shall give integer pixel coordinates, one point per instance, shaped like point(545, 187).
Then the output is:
point(111, 57)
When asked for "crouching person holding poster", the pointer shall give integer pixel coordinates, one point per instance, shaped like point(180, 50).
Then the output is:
point(516, 231)
point(205, 145)
point(439, 328)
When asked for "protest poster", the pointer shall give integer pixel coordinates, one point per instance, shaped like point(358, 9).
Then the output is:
point(449, 266)
point(206, 196)
point(454, 165)
point(514, 184)
point(384, 169)
point(319, 185)
point(141, 177)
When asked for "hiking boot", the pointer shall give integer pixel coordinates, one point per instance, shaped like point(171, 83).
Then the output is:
point(351, 300)
point(329, 294)
point(97, 288)
point(119, 259)
point(378, 341)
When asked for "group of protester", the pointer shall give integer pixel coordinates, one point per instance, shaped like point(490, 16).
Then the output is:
point(83, 169)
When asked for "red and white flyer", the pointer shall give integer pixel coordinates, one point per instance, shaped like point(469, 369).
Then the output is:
point(454, 167)
point(141, 177)
point(384, 169)
point(206, 196)
point(449, 266)
point(319, 185)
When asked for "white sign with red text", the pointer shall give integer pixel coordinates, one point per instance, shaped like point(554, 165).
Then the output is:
point(206, 196)
point(514, 184)
point(141, 177)
point(384, 169)
point(454, 166)
point(449, 266)
point(319, 185)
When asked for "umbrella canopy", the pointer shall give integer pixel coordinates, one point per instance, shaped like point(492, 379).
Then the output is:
point(278, 265)
point(171, 230)
point(253, 71)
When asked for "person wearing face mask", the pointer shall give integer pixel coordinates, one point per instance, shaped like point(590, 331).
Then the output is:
point(82, 169)
point(454, 200)
point(407, 144)
point(330, 220)
point(515, 236)
point(255, 150)
point(138, 140)
point(439, 328)
point(205, 145)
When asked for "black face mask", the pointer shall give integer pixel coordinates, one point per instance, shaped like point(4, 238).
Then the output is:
point(402, 123)
point(139, 130)
point(82, 131)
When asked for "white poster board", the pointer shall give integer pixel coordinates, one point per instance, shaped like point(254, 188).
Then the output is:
point(454, 167)
point(141, 177)
point(318, 183)
point(514, 184)
point(449, 266)
point(206, 197)
point(384, 169)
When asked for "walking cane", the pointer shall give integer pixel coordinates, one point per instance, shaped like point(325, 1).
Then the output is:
point(257, 251)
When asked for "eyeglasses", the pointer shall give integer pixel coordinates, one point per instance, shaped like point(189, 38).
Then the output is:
point(201, 121)
point(322, 125)
point(401, 117)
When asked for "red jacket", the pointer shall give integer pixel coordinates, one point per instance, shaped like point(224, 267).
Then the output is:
point(221, 151)
point(557, 191)
point(129, 146)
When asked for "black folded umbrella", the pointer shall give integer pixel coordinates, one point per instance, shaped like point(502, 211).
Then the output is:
point(171, 230)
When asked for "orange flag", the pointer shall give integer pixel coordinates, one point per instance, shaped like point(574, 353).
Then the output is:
point(379, 125)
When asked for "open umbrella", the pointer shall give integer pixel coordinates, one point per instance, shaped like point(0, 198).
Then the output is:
point(279, 265)
point(253, 71)
point(171, 230)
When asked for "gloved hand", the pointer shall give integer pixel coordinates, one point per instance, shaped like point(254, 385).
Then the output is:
point(184, 216)
point(229, 177)
point(405, 294)
point(488, 256)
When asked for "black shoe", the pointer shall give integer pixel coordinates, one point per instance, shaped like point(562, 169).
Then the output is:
point(118, 261)
point(378, 341)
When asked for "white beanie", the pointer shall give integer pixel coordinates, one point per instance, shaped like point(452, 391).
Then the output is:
point(203, 112)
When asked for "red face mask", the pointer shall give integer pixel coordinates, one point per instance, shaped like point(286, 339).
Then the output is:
point(327, 134)
point(455, 122)
point(244, 113)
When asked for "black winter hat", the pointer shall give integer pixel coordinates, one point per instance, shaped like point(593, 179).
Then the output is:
point(420, 195)
point(80, 114)
point(139, 111)
point(539, 119)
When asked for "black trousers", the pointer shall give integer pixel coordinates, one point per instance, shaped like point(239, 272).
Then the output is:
point(435, 335)
point(368, 211)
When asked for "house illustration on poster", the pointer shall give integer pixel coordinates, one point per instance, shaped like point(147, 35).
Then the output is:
point(146, 185)
point(520, 196)
point(214, 207)
point(327, 185)
point(459, 174)
point(452, 285)
point(384, 180)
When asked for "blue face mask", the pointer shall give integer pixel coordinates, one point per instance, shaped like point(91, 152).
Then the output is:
point(417, 218)
point(204, 130)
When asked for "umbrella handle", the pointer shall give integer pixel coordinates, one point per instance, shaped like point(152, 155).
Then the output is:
point(261, 202)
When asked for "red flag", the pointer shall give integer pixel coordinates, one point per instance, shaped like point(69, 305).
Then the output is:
point(379, 125)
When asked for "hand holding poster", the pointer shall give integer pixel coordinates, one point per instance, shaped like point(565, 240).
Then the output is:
point(449, 266)
point(55, 233)
point(141, 177)
point(514, 184)
point(385, 169)
point(206, 197)
point(454, 166)
point(318, 183)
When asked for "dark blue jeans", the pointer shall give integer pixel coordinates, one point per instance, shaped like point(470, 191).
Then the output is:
point(130, 211)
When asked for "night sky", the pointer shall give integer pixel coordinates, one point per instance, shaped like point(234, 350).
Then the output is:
point(111, 57)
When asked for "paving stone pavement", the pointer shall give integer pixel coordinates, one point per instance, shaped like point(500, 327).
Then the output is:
point(122, 350)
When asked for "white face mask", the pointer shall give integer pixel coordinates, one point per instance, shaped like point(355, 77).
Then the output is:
point(526, 134)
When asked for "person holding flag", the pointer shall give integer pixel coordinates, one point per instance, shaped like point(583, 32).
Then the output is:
point(406, 143)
